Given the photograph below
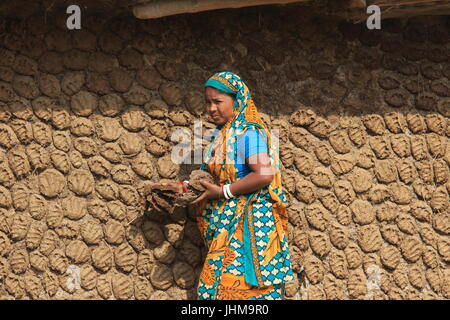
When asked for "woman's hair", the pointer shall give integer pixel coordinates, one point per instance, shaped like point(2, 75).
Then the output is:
point(232, 95)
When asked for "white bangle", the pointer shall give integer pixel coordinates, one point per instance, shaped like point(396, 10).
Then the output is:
point(225, 195)
point(186, 181)
point(225, 188)
point(228, 192)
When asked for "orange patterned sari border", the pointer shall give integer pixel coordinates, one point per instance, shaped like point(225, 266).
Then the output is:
point(224, 82)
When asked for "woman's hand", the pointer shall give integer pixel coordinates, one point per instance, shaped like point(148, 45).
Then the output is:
point(212, 192)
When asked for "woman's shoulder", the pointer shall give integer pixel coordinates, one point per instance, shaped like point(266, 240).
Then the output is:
point(254, 133)
point(253, 139)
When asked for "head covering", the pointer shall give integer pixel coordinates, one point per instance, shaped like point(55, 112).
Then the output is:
point(219, 83)
point(245, 116)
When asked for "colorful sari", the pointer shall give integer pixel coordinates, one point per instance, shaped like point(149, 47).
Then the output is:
point(246, 236)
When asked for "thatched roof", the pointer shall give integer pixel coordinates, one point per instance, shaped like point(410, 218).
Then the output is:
point(352, 10)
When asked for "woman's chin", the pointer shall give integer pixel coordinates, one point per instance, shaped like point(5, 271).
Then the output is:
point(219, 121)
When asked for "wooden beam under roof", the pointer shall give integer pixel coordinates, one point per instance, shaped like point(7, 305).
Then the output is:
point(162, 8)
point(352, 10)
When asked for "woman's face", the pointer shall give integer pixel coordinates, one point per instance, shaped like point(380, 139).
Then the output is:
point(219, 105)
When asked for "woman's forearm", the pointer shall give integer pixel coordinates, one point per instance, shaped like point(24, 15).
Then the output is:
point(250, 183)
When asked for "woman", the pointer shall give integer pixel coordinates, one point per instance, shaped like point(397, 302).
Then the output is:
point(243, 219)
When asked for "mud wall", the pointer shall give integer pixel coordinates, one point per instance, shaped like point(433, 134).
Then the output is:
point(86, 118)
